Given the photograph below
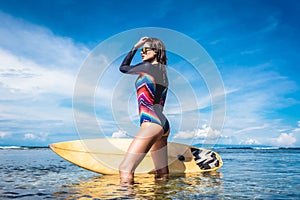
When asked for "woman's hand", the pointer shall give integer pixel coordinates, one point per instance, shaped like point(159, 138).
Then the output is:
point(141, 42)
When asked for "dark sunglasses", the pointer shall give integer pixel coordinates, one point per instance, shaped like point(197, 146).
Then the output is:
point(146, 49)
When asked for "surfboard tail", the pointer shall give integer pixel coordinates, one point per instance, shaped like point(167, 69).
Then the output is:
point(206, 159)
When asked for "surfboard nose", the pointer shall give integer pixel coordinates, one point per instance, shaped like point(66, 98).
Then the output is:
point(51, 146)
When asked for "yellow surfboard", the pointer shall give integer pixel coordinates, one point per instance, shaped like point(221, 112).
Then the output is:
point(104, 155)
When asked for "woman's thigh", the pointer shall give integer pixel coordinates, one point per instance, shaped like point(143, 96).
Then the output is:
point(159, 152)
point(148, 134)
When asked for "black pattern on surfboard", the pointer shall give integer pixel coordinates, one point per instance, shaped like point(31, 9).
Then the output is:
point(205, 159)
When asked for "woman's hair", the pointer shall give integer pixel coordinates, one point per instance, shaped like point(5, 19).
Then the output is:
point(159, 48)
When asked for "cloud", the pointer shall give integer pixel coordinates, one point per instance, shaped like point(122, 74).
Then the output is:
point(21, 76)
point(4, 134)
point(288, 139)
point(36, 137)
point(40, 44)
point(202, 133)
point(297, 130)
point(34, 60)
point(37, 74)
point(251, 129)
point(285, 139)
point(31, 94)
point(29, 136)
point(120, 134)
point(271, 25)
point(260, 91)
point(250, 141)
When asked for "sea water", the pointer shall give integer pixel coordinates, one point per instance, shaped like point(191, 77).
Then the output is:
point(247, 173)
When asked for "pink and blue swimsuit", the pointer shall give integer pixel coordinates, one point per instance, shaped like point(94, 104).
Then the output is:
point(151, 87)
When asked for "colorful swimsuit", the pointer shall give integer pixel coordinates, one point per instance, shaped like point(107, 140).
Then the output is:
point(151, 87)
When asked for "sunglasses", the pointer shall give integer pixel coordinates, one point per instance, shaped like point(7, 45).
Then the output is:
point(146, 49)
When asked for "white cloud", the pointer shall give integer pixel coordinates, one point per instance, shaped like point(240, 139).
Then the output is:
point(29, 136)
point(36, 137)
point(272, 24)
point(250, 141)
point(120, 134)
point(34, 60)
point(297, 130)
point(39, 44)
point(285, 139)
point(4, 134)
point(37, 74)
point(191, 91)
point(261, 91)
point(251, 129)
point(23, 76)
point(205, 132)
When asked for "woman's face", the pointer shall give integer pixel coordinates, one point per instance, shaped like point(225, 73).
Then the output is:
point(147, 53)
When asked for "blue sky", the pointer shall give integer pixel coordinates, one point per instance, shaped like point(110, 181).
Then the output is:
point(254, 45)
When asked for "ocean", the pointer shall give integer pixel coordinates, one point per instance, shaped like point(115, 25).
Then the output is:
point(247, 173)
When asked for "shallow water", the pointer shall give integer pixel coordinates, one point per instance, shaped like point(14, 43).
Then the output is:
point(246, 174)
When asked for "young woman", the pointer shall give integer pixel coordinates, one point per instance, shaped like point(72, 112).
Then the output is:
point(151, 87)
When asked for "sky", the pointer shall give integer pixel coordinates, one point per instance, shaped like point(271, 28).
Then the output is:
point(44, 45)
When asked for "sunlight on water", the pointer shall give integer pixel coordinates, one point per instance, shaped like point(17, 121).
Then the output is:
point(147, 187)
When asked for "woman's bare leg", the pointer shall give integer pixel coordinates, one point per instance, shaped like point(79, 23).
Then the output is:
point(148, 134)
point(159, 154)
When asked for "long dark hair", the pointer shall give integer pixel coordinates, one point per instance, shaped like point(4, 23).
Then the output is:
point(159, 48)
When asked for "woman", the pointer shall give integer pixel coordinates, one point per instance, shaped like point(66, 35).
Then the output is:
point(151, 86)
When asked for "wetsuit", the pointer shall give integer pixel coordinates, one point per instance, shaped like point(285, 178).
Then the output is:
point(151, 87)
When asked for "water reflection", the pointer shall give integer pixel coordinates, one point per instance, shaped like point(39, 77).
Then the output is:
point(193, 186)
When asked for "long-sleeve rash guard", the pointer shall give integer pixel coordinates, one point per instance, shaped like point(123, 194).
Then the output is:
point(151, 87)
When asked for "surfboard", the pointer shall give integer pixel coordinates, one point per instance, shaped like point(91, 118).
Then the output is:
point(104, 155)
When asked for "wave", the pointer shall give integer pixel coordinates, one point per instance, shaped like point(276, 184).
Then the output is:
point(260, 148)
point(253, 147)
point(12, 147)
point(20, 147)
